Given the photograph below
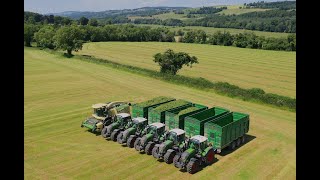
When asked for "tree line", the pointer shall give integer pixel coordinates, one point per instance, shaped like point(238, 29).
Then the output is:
point(284, 5)
point(241, 40)
point(44, 36)
point(207, 10)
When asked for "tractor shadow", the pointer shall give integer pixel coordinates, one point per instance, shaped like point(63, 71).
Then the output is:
point(95, 133)
point(201, 167)
point(227, 151)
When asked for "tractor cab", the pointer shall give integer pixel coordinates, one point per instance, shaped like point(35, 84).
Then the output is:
point(156, 128)
point(198, 142)
point(139, 123)
point(123, 118)
point(176, 135)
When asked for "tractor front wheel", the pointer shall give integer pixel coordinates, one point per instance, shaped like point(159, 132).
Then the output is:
point(137, 144)
point(193, 166)
point(149, 148)
point(176, 159)
point(209, 157)
point(104, 132)
point(119, 137)
point(155, 151)
point(168, 157)
point(130, 142)
point(114, 135)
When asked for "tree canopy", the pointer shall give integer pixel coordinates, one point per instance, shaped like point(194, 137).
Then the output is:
point(171, 62)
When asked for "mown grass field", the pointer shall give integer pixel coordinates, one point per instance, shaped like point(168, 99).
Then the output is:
point(273, 71)
point(235, 10)
point(211, 30)
point(58, 94)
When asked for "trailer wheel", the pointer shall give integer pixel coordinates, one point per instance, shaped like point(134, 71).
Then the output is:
point(113, 136)
point(193, 166)
point(137, 144)
point(119, 137)
point(232, 145)
point(149, 148)
point(130, 142)
point(168, 157)
point(104, 132)
point(243, 139)
point(176, 159)
point(238, 141)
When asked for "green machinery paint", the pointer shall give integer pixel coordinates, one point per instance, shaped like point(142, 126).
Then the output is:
point(194, 124)
point(141, 109)
point(227, 130)
point(129, 135)
point(175, 118)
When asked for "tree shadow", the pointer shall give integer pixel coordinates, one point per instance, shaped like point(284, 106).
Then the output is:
point(227, 151)
point(68, 55)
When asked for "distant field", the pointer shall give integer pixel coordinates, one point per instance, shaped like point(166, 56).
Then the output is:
point(235, 10)
point(211, 30)
point(170, 15)
point(58, 93)
point(273, 71)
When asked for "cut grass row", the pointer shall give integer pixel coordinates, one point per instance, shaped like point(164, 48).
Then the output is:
point(58, 96)
point(272, 71)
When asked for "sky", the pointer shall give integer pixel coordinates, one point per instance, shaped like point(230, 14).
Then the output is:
point(56, 6)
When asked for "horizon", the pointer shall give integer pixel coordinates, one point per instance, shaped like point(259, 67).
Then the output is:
point(59, 6)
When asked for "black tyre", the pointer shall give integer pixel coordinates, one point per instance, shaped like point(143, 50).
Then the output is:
point(193, 166)
point(243, 139)
point(168, 157)
point(130, 142)
point(149, 148)
point(104, 132)
point(155, 151)
point(114, 135)
point(238, 142)
point(176, 159)
point(119, 137)
point(137, 144)
point(232, 145)
point(209, 157)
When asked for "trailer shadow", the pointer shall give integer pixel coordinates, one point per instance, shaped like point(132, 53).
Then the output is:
point(227, 151)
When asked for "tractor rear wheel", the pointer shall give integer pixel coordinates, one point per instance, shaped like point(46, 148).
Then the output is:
point(238, 142)
point(137, 144)
point(119, 137)
point(104, 132)
point(209, 157)
point(176, 159)
point(114, 135)
point(130, 142)
point(149, 148)
point(243, 139)
point(155, 151)
point(232, 145)
point(168, 157)
point(193, 166)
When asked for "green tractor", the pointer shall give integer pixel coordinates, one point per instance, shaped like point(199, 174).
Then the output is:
point(155, 134)
point(123, 121)
point(175, 143)
point(104, 114)
point(130, 135)
point(198, 154)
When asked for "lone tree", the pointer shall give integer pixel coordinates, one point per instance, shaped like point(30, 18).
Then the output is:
point(69, 38)
point(171, 62)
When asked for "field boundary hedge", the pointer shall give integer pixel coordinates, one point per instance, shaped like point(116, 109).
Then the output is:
point(223, 88)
